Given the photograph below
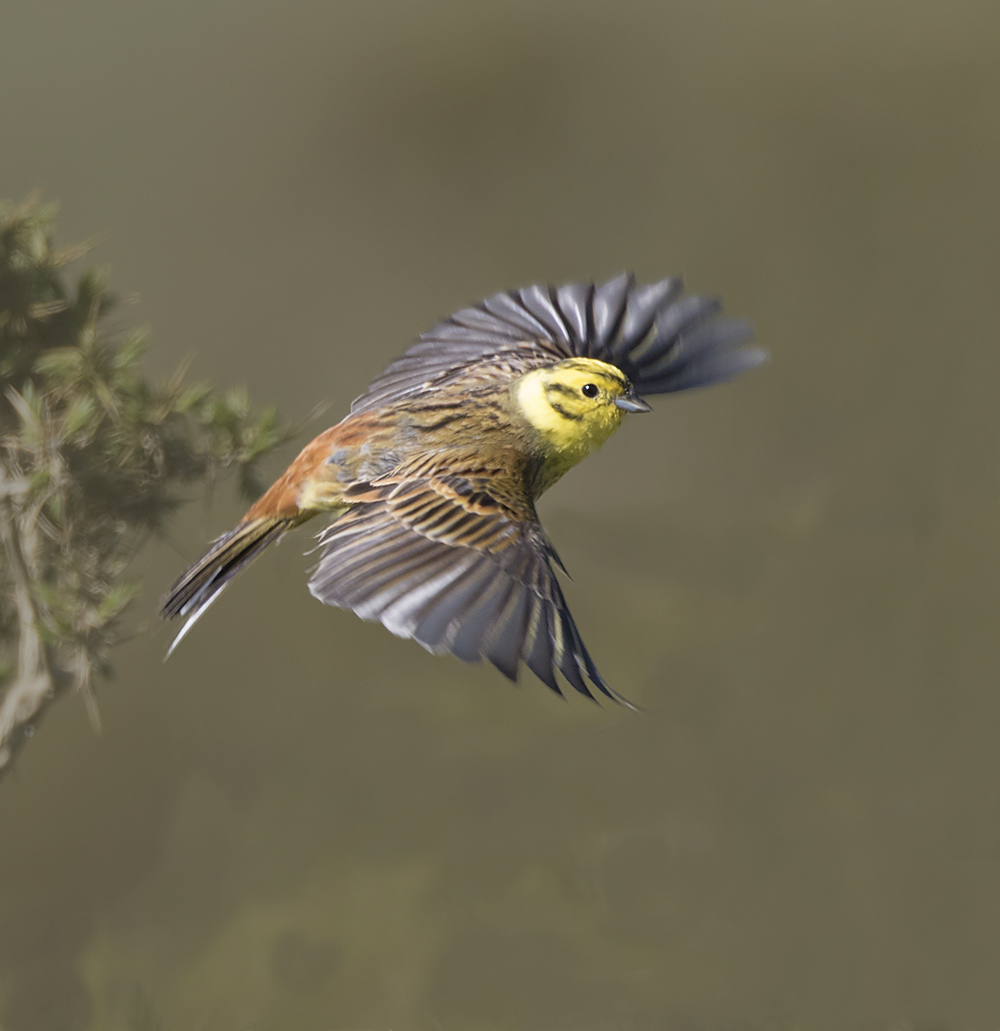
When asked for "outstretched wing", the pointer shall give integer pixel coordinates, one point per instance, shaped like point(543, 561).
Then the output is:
point(453, 563)
point(662, 340)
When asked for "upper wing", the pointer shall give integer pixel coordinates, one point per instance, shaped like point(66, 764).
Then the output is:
point(661, 340)
point(446, 561)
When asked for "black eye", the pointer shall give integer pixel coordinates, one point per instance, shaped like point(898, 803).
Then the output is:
point(590, 390)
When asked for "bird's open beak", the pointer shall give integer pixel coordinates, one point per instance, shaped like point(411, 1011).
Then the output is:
point(632, 403)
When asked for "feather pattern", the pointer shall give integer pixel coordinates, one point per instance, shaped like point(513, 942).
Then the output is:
point(457, 561)
point(192, 594)
point(663, 341)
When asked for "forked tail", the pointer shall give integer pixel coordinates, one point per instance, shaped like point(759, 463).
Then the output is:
point(207, 578)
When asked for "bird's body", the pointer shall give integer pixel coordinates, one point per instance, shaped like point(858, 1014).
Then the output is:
point(432, 479)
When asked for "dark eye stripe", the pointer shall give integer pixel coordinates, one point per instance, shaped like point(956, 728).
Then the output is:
point(585, 366)
point(608, 375)
point(559, 388)
point(565, 412)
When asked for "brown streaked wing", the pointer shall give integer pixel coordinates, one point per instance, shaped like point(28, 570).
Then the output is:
point(456, 573)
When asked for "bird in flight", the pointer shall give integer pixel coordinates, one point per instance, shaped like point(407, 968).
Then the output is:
point(431, 480)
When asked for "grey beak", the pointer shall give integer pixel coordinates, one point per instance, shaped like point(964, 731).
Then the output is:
point(631, 403)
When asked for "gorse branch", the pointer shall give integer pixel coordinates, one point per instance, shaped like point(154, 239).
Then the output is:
point(93, 458)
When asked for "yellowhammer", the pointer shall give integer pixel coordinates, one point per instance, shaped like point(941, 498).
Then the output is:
point(431, 481)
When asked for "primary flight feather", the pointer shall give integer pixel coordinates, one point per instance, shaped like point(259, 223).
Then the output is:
point(431, 481)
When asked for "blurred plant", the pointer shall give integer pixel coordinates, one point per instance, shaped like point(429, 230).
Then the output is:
point(93, 459)
point(142, 1013)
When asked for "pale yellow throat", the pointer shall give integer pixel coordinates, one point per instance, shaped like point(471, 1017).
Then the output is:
point(572, 425)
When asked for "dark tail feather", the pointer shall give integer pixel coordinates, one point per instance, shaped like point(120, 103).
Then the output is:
point(207, 578)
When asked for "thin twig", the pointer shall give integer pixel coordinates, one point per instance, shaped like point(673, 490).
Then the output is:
point(34, 685)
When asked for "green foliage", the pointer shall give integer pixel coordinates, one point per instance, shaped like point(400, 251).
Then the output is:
point(93, 456)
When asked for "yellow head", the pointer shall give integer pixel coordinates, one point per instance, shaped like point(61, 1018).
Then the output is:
point(575, 406)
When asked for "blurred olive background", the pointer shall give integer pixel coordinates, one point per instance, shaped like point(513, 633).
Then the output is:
point(301, 822)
